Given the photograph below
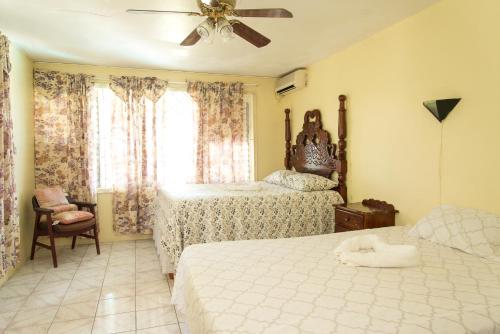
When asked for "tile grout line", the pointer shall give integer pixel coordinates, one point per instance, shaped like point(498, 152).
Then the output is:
point(135, 285)
point(175, 309)
point(60, 304)
point(102, 285)
point(177, 322)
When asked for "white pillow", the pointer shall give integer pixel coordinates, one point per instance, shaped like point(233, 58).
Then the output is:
point(470, 230)
point(278, 177)
point(309, 182)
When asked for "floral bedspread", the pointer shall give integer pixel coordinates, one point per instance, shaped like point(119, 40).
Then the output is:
point(209, 213)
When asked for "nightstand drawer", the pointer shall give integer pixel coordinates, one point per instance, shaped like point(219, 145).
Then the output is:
point(349, 221)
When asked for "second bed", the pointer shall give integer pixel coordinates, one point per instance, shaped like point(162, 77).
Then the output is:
point(205, 213)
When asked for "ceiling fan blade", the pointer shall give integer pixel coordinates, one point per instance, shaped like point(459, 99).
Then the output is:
point(192, 39)
point(150, 11)
point(264, 12)
point(249, 34)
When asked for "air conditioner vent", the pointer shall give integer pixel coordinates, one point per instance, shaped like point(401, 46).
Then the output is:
point(286, 90)
point(291, 82)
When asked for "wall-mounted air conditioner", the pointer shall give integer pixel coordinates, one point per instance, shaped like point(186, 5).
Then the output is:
point(291, 82)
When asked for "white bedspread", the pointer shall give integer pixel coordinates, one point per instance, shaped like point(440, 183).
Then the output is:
point(296, 286)
point(207, 213)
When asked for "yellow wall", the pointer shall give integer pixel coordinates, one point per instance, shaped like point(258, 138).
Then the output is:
point(21, 96)
point(393, 142)
point(269, 143)
point(451, 49)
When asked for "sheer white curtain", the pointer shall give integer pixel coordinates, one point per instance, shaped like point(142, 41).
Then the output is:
point(176, 137)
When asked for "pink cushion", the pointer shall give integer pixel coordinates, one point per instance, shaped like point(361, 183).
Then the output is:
point(70, 217)
point(50, 197)
point(64, 207)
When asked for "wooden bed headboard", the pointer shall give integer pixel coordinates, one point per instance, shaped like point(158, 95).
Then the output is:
point(314, 151)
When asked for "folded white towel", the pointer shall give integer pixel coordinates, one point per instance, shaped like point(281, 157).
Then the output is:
point(371, 251)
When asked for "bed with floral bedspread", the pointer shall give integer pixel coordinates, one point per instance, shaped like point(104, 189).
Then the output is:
point(199, 214)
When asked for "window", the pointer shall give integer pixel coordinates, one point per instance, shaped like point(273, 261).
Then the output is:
point(101, 143)
point(176, 133)
point(176, 156)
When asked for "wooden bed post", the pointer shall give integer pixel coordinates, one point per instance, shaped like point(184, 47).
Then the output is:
point(342, 170)
point(288, 140)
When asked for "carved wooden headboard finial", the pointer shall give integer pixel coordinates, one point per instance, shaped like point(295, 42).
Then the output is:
point(314, 151)
point(342, 156)
point(288, 139)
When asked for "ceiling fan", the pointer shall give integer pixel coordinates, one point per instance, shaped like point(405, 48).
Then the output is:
point(216, 12)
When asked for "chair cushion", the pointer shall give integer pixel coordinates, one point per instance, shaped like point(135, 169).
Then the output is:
point(61, 228)
point(50, 197)
point(71, 217)
point(64, 207)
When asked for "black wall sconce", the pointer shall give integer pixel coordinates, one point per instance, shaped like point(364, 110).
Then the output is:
point(441, 108)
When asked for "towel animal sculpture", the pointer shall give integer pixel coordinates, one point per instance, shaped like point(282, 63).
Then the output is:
point(371, 251)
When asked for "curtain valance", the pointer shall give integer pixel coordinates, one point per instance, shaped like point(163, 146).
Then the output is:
point(223, 90)
point(52, 84)
point(134, 88)
point(4, 54)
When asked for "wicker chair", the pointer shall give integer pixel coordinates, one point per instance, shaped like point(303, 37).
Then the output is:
point(60, 216)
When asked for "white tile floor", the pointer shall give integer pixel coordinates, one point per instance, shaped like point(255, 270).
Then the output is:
point(120, 291)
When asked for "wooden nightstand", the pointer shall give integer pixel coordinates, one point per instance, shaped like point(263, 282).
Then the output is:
point(368, 214)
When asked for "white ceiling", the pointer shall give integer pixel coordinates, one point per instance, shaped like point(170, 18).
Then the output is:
point(99, 32)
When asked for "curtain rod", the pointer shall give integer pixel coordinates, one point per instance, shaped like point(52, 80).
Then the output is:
point(178, 83)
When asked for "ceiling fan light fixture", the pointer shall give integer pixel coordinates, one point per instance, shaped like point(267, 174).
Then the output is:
point(225, 29)
point(206, 29)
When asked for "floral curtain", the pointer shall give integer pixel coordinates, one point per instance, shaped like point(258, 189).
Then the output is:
point(222, 136)
point(62, 132)
point(134, 137)
point(9, 215)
